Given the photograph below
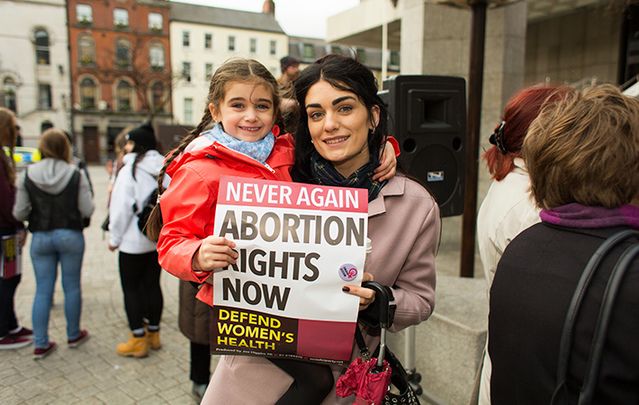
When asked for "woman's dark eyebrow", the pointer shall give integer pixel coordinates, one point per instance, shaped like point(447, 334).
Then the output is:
point(335, 102)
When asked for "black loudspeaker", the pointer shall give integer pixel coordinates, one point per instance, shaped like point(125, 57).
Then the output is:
point(427, 115)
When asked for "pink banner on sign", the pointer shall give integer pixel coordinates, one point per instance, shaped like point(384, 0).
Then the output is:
point(265, 193)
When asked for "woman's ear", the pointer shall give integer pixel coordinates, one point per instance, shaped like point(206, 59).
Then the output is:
point(213, 112)
point(374, 117)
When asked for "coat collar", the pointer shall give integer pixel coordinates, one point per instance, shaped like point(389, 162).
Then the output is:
point(395, 187)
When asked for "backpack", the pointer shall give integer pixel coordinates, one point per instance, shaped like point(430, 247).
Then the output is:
point(149, 203)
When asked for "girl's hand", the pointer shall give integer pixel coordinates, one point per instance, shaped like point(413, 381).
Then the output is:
point(366, 295)
point(388, 165)
point(215, 252)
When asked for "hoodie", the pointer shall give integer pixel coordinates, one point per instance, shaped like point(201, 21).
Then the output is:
point(51, 176)
point(127, 200)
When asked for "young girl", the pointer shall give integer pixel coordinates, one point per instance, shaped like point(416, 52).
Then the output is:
point(243, 106)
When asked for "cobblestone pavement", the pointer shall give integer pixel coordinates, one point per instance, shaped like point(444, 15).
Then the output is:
point(93, 373)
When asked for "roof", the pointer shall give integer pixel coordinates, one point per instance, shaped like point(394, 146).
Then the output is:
point(223, 17)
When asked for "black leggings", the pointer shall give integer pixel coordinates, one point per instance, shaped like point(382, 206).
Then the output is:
point(312, 382)
point(200, 363)
point(140, 279)
point(8, 321)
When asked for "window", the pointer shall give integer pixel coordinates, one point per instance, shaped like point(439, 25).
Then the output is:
point(186, 71)
point(231, 43)
point(394, 58)
point(308, 51)
point(44, 96)
point(123, 53)
point(9, 94)
point(157, 96)
point(86, 50)
point(123, 93)
point(88, 94)
point(208, 40)
point(273, 47)
point(253, 45)
point(361, 55)
point(156, 56)
point(84, 14)
point(208, 71)
point(120, 18)
point(186, 39)
point(155, 22)
point(188, 110)
point(42, 47)
point(336, 50)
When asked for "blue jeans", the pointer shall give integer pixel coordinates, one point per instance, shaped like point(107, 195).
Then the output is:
point(48, 248)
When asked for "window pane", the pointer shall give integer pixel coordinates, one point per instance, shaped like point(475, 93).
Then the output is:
point(86, 52)
point(186, 38)
point(156, 56)
point(9, 94)
point(123, 53)
point(188, 110)
point(84, 13)
point(394, 58)
point(44, 96)
point(155, 21)
point(186, 71)
point(208, 41)
point(157, 93)
point(231, 43)
point(42, 47)
point(273, 47)
point(87, 93)
point(308, 51)
point(124, 96)
point(208, 71)
point(120, 17)
point(253, 45)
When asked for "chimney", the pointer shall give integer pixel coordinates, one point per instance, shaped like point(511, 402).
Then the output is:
point(268, 7)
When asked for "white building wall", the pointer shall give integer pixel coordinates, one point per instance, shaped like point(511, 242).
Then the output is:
point(198, 56)
point(18, 21)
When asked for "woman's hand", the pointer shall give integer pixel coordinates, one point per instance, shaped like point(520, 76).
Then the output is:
point(215, 252)
point(21, 237)
point(366, 295)
point(388, 165)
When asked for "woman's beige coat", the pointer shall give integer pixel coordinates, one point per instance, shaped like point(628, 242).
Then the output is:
point(404, 226)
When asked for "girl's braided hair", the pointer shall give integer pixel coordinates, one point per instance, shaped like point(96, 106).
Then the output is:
point(233, 70)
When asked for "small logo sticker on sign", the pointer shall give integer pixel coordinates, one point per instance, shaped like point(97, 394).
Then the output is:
point(347, 272)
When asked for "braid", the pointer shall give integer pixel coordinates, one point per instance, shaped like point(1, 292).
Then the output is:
point(154, 223)
point(138, 157)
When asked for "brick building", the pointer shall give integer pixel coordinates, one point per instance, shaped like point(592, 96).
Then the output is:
point(120, 70)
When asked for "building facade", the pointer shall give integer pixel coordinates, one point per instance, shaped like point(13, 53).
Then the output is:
point(120, 70)
point(34, 65)
point(203, 38)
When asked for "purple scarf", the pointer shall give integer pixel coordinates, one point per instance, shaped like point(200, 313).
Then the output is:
point(581, 216)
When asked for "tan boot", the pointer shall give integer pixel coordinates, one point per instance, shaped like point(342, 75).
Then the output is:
point(154, 339)
point(134, 347)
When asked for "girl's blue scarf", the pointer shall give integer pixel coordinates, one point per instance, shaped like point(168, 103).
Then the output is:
point(259, 150)
point(580, 216)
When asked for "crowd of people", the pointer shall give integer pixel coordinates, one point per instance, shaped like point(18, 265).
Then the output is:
point(563, 163)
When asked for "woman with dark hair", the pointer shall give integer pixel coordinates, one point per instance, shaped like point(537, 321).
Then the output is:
point(54, 196)
point(581, 153)
point(138, 258)
point(341, 129)
point(12, 335)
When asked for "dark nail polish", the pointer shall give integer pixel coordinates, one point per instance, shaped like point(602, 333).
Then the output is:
point(345, 289)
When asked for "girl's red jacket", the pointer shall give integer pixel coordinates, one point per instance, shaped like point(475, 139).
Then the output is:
point(188, 205)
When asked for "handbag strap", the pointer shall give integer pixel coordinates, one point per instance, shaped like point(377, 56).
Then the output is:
point(575, 303)
point(603, 321)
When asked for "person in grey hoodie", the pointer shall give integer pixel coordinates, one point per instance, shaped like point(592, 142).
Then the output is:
point(54, 197)
point(138, 258)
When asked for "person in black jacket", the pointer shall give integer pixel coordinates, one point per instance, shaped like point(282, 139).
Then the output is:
point(582, 156)
point(54, 196)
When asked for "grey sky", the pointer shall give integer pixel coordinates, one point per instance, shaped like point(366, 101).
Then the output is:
point(297, 17)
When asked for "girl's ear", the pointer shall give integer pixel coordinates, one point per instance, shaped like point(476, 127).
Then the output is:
point(374, 117)
point(213, 112)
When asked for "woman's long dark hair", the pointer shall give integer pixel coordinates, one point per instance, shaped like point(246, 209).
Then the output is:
point(140, 151)
point(345, 74)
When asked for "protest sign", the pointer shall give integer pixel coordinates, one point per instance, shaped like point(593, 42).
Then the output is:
point(298, 245)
